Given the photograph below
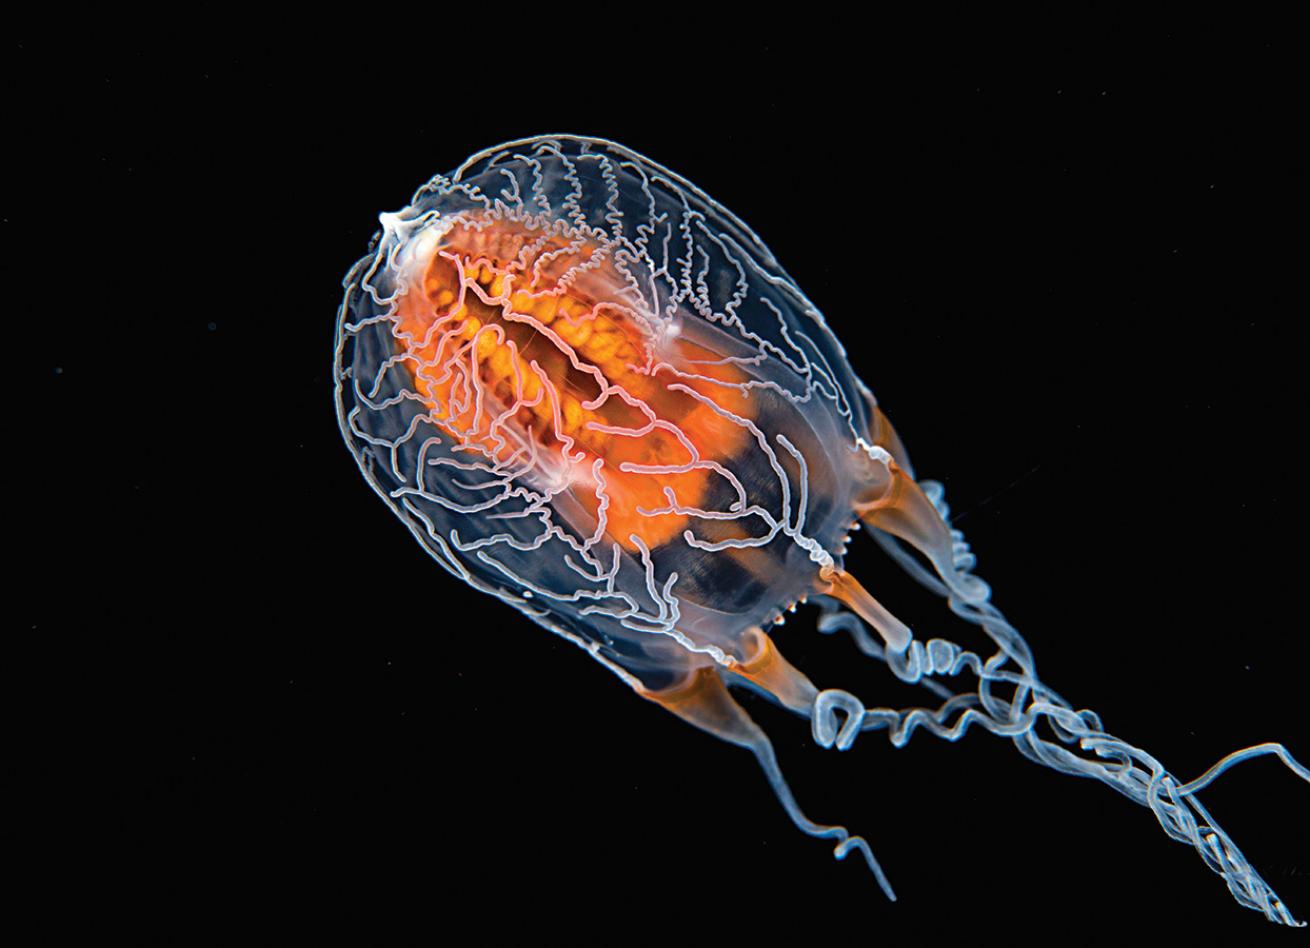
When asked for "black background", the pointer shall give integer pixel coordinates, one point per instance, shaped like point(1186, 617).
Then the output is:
point(1070, 269)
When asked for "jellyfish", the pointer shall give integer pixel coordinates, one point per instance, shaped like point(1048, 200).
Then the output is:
point(591, 391)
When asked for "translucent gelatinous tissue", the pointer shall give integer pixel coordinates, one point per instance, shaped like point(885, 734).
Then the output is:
point(592, 392)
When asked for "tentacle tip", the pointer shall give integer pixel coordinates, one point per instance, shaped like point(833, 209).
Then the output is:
point(858, 842)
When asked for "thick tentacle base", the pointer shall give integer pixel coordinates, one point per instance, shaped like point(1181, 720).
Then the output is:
point(898, 505)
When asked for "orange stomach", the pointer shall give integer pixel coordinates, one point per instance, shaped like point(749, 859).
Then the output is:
point(528, 349)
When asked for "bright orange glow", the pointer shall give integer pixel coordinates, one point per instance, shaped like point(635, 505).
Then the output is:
point(506, 353)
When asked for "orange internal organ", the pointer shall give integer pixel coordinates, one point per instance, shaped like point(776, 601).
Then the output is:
point(514, 334)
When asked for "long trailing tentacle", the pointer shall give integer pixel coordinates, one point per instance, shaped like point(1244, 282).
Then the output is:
point(703, 700)
point(838, 717)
